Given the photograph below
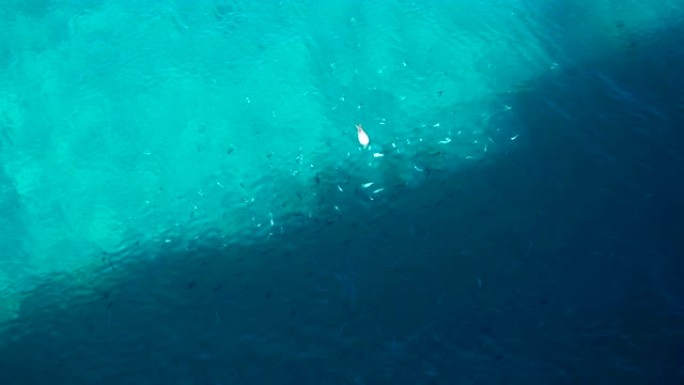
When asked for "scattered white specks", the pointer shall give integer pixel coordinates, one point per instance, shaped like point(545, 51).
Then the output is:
point(366, 185)
point(270, 214)
point(337, 208)
point(378, 155)
point(445, 141)
point(515, 137)
point(248, 100)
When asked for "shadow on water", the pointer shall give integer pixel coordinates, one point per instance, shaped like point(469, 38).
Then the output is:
point(556, 263)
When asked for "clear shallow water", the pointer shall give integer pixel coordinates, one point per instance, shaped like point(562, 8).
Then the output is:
point(184, 193)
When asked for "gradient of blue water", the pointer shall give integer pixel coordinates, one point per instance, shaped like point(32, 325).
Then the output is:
point(183, 194)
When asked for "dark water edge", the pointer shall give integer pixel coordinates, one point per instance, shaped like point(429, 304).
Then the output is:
point(557, 263)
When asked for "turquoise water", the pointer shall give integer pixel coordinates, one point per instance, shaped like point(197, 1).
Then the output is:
point(140, 141)
point(125, 123)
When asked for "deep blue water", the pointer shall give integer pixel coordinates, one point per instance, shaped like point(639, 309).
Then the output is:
point(184, 200)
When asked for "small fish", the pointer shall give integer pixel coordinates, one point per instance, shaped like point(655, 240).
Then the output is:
point(364, 140)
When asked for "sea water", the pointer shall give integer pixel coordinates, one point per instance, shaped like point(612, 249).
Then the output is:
point(144, 140)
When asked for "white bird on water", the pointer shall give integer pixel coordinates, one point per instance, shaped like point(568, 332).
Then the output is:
point(364, 140)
